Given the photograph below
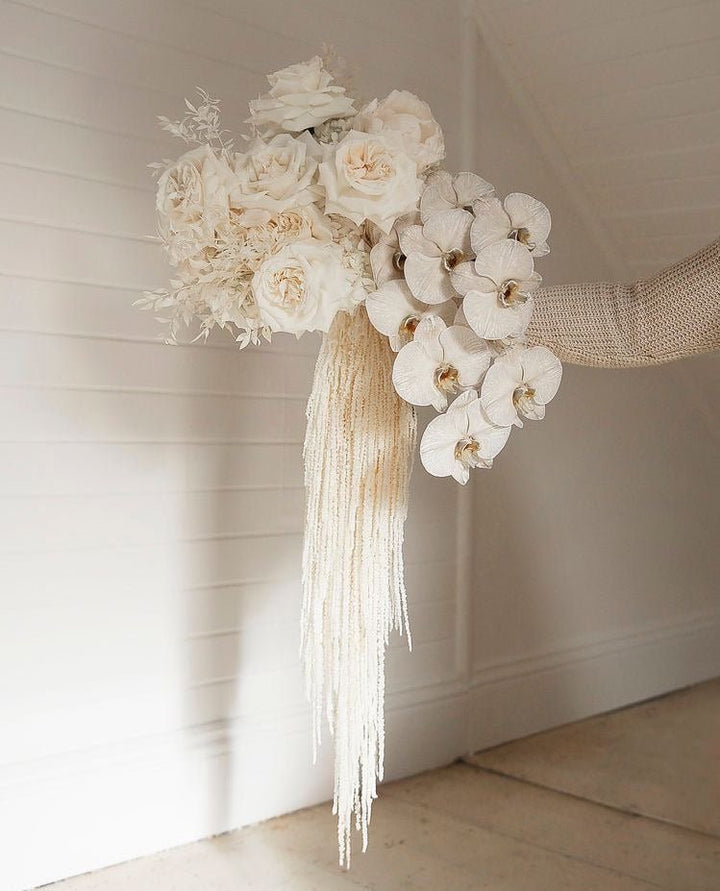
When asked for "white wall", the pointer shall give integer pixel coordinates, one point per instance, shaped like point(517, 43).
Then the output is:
point(594, 549)
point(150, 498)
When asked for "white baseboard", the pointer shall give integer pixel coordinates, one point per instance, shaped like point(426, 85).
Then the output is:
point(530, 694)
point(86, 810)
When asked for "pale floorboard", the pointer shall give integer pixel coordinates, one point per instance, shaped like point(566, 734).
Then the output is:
point(555, 812)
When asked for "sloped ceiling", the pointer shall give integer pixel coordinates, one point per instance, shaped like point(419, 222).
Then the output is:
point(626, 95)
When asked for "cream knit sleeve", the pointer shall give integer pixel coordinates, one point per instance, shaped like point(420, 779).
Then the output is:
point(673, 314)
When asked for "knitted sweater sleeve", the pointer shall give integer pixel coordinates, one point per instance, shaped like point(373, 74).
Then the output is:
point(673, 314)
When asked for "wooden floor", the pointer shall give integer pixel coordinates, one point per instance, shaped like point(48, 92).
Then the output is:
point(622, 802)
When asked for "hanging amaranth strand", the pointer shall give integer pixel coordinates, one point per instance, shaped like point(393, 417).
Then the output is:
point(341, 220)
point(359, 448)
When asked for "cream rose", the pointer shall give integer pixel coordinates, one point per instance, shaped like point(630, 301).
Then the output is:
point(301, 96)
point(369, 178)
point(302, 287)
point(192, 199)
point(274, 175)
point(406, 117)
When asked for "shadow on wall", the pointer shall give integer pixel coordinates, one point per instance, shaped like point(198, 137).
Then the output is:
point(599, 524)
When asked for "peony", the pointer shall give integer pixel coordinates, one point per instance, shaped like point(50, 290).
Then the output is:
point(275, 175)
point(302, 287)
point(406, 117)
point(369, 178)
point(301, 96)
point(192, 199)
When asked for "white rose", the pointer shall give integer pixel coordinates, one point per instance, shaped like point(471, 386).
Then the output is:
point(274, 175)
point(410, 120)
point(192, 199)
point(301, 96)
point(302, 287)
point(369, 178)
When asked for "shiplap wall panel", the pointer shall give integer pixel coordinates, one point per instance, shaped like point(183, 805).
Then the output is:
point(151, 500)
point(630, 98)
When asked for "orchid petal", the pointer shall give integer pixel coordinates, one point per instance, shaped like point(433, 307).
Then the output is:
point(446, 311)
point(427, 278)
point(528, 213)
point(413, 241)
point(489, 319)
point(450, 230)
point(470, 187)
point(467, 353)
point(413, 377)
point(464, 278)
point(500, 383)
point(492, 224)
point(437, 447)
point(542, 371)
point(382, 257)
point(390, 305)
point(490, 437)
point(438, 195)
point(503, 261)
point(427, 334)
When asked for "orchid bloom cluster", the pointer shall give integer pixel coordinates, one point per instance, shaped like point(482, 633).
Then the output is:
point(455, 283)
point(329, 207)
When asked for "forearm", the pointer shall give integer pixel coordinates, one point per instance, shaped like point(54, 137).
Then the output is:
point(672, 315)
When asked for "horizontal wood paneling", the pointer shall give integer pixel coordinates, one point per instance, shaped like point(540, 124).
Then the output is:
point(630, 96)
point(151, 499)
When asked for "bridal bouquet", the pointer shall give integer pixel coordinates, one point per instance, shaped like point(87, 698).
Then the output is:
point(333, 218)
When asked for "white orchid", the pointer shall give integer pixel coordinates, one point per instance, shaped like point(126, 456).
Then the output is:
point(446, 192)
point(498, 290)
point(432, 251)
point(520, 384)
point(520, 217)
point(394, 312)
point(438, 363)
point(386, 258)
point(462, 438)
